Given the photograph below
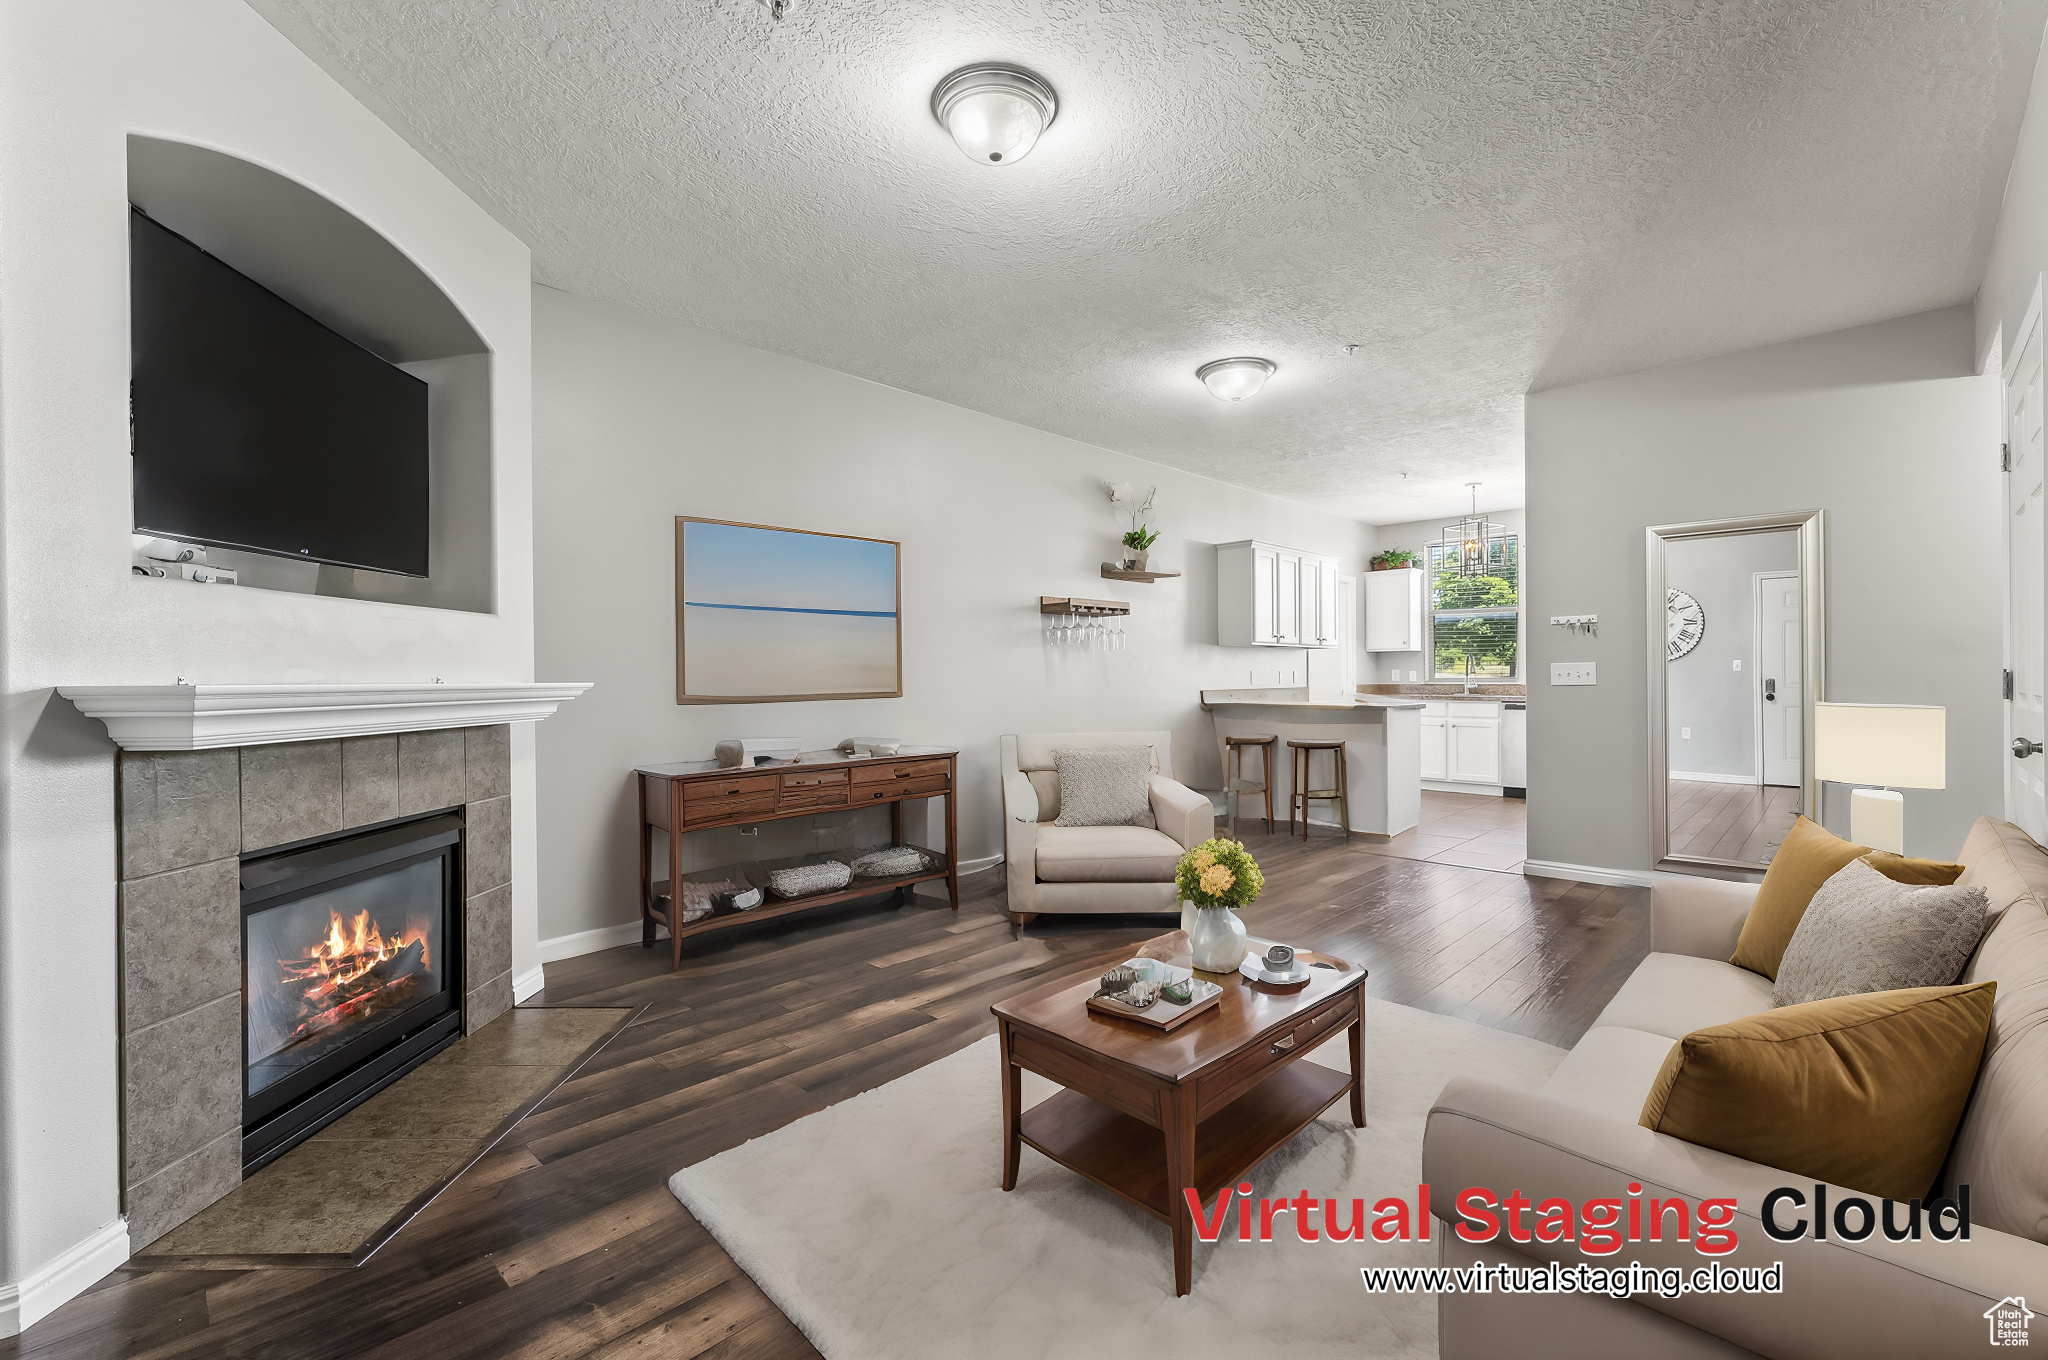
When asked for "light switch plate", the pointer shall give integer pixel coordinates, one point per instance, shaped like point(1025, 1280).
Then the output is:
point(1572, 673)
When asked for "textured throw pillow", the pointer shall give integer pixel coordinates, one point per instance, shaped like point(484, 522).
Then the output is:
point(1105, 786)
point(1864, 933)
point(1809, 856)
point(1863, 1091)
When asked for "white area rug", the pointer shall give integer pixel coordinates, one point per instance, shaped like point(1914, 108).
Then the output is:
point(879, 1227)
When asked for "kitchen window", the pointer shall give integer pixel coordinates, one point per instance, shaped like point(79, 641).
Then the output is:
point(1475, 621)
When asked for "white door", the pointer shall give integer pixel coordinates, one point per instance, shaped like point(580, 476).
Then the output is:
point(1779, 695)
point(1475, 750)
point(1287, 599)
point(2026, 801)
point(1265, 584)
point(1435, 758)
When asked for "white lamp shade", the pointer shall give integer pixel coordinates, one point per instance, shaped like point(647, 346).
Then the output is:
point(1891, 745)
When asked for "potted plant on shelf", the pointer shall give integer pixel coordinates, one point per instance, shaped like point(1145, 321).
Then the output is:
point(1138, 540)
point(1137, 545)
point(1214, 879)
point(1393, 558)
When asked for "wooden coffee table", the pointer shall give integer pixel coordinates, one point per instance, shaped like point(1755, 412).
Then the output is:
point(1147, 1113)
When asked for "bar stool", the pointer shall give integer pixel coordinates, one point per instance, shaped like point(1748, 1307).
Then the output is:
point(1299, 790)
point(1236, 783)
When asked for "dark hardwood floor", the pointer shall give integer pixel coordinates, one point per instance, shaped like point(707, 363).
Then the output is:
point(564, 1241)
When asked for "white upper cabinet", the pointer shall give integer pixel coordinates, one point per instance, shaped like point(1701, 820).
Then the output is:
point(1268, 596)
point(1393, 610)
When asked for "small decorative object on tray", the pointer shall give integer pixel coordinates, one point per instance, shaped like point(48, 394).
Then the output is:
point(736, 751)
point(807, 879)
point(1277, 967)
point(871, 746)
point(1156, 993)
point(893, 862)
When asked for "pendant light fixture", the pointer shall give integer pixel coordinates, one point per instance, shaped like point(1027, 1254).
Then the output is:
point(994, 111)
point(1235, 379)
point(1475, 545)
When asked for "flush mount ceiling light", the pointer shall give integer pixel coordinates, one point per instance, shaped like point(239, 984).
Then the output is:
point(995, 112)
point(1235, 379)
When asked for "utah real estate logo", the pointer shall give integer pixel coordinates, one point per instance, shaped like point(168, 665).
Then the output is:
point(2008, 1319)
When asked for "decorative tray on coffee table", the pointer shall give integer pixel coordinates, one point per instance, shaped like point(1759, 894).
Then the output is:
point(1162, 1013)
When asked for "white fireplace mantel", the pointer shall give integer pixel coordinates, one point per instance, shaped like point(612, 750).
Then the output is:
point(205, 717)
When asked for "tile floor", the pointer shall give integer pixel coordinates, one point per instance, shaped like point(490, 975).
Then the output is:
point(1474, 831)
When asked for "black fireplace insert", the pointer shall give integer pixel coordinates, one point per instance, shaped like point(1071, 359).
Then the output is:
point(351, 973)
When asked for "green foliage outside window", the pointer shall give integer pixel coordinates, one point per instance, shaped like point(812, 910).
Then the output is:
point(1475, 617)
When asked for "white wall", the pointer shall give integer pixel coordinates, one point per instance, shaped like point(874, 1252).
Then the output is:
point(1887, 429)
point(75, 80)
point(1415, 537)
point(2019, 244)
point(639, 419)
point(1709, 705)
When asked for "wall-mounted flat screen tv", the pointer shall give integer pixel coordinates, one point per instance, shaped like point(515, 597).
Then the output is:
point(257, 428)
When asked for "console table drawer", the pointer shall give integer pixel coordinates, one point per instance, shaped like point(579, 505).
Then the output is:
point(902, 788)
point(731, 786)
point(813, 796)
point(900, 772)
point(721, 809)
point(813, 779)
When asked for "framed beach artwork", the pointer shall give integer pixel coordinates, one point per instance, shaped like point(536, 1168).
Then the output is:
point(765, 615)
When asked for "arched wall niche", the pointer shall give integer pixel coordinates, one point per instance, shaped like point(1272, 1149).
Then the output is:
point(347, 275)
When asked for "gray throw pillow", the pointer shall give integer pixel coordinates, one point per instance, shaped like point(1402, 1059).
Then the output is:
point(1105, 786)
point(1865, 933)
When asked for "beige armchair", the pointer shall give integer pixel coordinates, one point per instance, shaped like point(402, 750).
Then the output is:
point(1093, 868)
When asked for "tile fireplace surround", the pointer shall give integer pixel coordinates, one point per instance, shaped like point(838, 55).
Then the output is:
point(186, 819)
point(209, 773)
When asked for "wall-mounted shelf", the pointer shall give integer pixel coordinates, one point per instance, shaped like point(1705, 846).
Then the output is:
point(1062, 604)
point(1111, 571)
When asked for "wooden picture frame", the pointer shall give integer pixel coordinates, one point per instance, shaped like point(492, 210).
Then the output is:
point(792, 606)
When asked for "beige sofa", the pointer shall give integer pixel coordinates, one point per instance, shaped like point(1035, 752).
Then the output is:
point(1579, 1139)
point(1093, 868)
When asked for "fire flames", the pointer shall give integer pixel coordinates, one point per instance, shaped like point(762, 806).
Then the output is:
point(354, 971)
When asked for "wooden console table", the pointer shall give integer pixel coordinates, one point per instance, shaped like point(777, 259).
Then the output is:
point(697, 795)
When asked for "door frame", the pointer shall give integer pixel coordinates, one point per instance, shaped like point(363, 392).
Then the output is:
point(1812, 667)
point(1756, 652)
point(2006, 362)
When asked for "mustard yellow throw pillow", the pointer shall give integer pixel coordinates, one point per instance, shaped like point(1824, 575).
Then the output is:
point(1864, 1091)
point(1809, 856)
point(1918, 873)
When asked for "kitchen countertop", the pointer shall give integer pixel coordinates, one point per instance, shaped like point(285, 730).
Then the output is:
point(1298, 698)
point(1449, 691)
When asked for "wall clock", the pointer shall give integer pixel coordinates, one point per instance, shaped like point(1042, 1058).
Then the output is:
point(1685, 623)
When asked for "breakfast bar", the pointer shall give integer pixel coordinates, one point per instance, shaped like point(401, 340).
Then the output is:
point(1382, 738)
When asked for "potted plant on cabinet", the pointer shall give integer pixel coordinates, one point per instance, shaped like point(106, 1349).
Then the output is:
point(1393, 559)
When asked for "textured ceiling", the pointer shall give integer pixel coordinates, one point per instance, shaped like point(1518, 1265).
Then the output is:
point(1483, 197)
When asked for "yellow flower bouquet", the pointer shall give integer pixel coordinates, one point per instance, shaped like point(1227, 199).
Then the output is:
point(1219, 873)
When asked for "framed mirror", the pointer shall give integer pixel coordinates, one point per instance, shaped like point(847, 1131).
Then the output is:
point(1737, 629)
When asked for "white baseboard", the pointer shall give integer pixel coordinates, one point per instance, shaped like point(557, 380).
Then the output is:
point(588, 942)
point(611, 937)
point(1591, 873)
point(73, 1272)
point(527, 983)
point(1479, 790)
point(1714, 778)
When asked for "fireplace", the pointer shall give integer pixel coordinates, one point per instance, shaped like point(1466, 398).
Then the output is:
point(351, 972)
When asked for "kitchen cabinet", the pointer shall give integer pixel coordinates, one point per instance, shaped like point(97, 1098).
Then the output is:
point(1393, 610)
point(1435, 744)
point(1270, 596)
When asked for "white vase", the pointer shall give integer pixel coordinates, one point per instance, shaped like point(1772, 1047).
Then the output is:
point(1215, 939)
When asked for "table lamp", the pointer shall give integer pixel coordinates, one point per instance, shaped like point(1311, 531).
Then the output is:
point(1902, 745)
